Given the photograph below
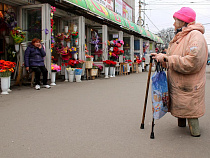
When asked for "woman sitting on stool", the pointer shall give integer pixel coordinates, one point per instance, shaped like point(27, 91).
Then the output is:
point(34, 60)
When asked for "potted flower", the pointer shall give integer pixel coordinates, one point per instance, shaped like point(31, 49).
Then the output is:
point(107, 64)
point(60, 37)
point(74, 35)
point(112, 68)
point(18, 36)
point(6, 68)
point(54, 69)
point(67, 38)
point(94, 71)
point(71, 73)
point(139, 65)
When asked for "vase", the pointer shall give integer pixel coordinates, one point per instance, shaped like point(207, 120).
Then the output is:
point(17, 47)
point(78, 78)
point(4, 85)
point(75, 56)
point(128, 67)
point(76, 41)
point(68, 44)
point(106, 72)
point(121, 59)
point(142, 65)
point(66, 76)
point(24, 46)
point(111, 71)
point(62, 42)
point(66, 29)
point(7, 39)
point(153, 69)
point(9, 79)
point(140, 69)
point(71, 75)
point(53, 75)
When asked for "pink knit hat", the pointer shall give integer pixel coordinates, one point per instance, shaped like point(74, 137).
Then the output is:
point(185, 14)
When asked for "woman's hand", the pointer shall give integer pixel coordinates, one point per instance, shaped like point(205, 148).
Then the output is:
point(160, 57)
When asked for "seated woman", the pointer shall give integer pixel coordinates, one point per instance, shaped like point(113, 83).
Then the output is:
point(34, 60)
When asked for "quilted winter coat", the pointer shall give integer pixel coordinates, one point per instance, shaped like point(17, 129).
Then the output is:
point(34, 56)
point(187, 56)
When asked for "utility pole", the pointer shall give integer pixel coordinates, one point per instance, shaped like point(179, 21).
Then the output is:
point(140, 20)
point(139, 13)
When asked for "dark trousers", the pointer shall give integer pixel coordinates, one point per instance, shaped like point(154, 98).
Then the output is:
point(38, 70)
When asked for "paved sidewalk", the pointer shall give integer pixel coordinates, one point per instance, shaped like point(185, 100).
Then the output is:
point(94, 119)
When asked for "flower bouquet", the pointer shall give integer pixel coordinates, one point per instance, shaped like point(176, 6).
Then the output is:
point(138, 61)
point(73, 50)
point(60, 36)
point(67, 38)
point(6, 68)
point(88, 57)
point(107, 63)
point(55, 68)
point(113, 63)
point(18, 35)
point(74, 35)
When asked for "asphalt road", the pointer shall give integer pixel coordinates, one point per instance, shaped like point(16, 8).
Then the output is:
point(94, 119)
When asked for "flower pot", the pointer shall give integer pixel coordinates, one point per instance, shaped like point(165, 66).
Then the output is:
point(62, 42)
point(75, 28)
point(4, 85)
point(24, 46)
point(66, 76)
point(121, 58)
point(106, 72)
point(7, 39)
point(78, 78)
point(140, 69)
point(111, 71)
point(9, 90)
point(76, 41)
point(66, 29)
point(68, 44)
point(75, 56)
point(53, 75)
point(142, 65)
point(71, 75)
point(128, 67)
point(17, 47)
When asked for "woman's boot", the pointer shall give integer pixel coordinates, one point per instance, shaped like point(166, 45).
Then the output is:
point(182, 122)
point(194, 127)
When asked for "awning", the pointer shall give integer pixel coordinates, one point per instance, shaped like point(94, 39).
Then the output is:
point(102, 12)
point(80, 3)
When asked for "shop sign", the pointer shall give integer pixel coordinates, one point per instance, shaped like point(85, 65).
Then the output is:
point(81, 3)
point(97, 8)
point(106, 3)
point(127, 11)
point(118, 7)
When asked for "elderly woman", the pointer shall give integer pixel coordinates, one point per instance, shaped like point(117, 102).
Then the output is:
point(186, 62)
point(34, 60)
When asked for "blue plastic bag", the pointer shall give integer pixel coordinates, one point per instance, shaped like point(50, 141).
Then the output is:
point(159, 94)
point(78, 71)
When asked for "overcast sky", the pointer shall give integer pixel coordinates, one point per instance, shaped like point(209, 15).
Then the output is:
point(159, 13)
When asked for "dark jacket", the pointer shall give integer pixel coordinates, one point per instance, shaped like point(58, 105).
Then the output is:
point(34, 56)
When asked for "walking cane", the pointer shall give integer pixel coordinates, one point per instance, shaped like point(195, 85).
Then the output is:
point(146, 96)
point(152, 135)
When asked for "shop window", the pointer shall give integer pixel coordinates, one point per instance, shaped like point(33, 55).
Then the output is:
point(136, 45)
point(96, 44)
point(126, 48)
point(32, 23)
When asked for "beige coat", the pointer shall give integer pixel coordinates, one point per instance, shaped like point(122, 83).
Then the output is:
point(187, 56)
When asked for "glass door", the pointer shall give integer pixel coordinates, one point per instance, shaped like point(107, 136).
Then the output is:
point(35, 21)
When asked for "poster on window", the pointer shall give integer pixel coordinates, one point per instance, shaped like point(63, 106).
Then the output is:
point(127, 11)
point(118, 7)
point(106, 3)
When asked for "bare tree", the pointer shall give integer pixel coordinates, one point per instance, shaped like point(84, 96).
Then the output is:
point(166, 35)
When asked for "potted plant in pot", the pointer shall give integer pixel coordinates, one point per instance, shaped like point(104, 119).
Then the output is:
point(54, 69)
